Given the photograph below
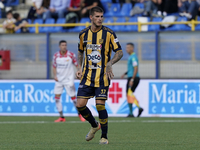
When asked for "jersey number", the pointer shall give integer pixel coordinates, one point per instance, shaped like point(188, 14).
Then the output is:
point(103, 91)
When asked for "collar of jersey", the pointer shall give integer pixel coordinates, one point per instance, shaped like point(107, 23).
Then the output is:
point(95, 31)
point(132, 53)
point(64, 54)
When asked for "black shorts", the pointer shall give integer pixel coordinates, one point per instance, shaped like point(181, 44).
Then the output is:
point(135, 84)
point(101, 93)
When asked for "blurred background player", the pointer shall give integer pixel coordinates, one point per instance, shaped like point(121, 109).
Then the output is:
point(64, 73)
point(133, 79)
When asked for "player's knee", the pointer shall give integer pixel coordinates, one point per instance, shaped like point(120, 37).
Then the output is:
point(78, 105)
point(100, 107)
point(57, 98)
point(81, 102)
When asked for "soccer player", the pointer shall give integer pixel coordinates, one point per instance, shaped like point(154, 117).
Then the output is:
point(97, 41)
point(133, 78)
point(63, 71)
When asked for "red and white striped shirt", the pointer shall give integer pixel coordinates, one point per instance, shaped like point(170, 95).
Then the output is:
point(64, 67)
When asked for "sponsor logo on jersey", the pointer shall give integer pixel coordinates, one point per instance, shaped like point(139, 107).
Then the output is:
point(94, 67)
point(116, 40)
point(80, 86)
point(101, 41)
point(95, 57)
point(87, 41)
point(93, 47)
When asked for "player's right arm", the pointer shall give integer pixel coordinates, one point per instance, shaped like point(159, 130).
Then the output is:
point(54, 74)
point(80, 56)
point(79, 69)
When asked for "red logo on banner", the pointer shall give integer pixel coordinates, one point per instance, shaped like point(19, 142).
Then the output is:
point(115, 92)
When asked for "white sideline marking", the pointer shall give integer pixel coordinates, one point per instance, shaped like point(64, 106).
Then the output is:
point(111, 121)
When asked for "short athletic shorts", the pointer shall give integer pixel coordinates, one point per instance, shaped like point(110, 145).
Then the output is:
point(101, 93)
point(70, 90)
point(135, 84)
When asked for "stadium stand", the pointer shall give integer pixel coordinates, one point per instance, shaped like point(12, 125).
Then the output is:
point(79, 28)
point(198, 26)
point(117, 28)
point(32, 29)
point(131, 27)
point(114, 10)
point(179, 27)
point(48, 29)
point(59, 28)
point(155, 27)
point(106, 8)
point(141, 5)
point(109, 20)
point(125, 10)
point(15, 3)
point(106, 1)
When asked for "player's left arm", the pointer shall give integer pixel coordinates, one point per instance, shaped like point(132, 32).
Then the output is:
point(118, 55)
point(135, 65)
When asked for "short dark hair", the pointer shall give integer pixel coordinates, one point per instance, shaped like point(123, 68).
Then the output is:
point(130, 44)
point(16, 15)
point(95, 9)
point(9, 12)
point(62, 41)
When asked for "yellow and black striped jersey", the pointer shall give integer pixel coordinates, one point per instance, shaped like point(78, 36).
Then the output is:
point(98, 47)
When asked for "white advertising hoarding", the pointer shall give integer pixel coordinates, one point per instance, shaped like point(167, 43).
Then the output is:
point(162, 98)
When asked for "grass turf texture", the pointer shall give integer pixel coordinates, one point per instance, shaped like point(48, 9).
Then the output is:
point(124, 134)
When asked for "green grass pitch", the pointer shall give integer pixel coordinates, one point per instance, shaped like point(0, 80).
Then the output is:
point(29, 133)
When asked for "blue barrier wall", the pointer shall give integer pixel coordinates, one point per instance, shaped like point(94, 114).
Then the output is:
point(161, 54)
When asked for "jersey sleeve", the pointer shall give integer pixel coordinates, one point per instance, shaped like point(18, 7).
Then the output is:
point(134, 62)
point(74, 60)
point(115, 43)
point(54, 61)
point(80, 43)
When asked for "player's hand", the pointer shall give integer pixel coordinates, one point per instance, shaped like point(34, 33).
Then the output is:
point(179, 4)
point(84, 10)
point(56, 79)
point(122, 76)
point(130, 83)
point(79, 74)
point(159, 1)
point(109, 73)
point(52, 10)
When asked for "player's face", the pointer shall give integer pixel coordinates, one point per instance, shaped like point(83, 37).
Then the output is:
point(63, 47)
point(97, 19)
point(129, 49)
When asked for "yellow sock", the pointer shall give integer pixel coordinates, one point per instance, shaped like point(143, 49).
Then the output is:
point(136, 101)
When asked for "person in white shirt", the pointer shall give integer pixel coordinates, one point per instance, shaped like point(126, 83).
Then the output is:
point(64, 74)
point(8, 24)
point(38, 9)
point(57, 9)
